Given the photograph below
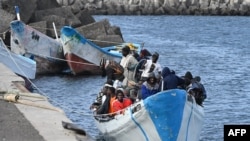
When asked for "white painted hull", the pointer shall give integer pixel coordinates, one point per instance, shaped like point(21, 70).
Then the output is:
point(32, 41)
point(166, 116)
point(47, 51)
point(17, 63)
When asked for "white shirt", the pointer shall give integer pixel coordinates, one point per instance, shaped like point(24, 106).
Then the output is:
point(147, 68)
point(125, 60)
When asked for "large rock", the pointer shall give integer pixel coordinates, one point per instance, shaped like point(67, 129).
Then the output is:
point(59, 23)
point(47, 4)
point(100, 31)
point(91, 31)
point(62, 12)
point(6, 18)
point(85, 17)
point(26, 8)
point(40, 26)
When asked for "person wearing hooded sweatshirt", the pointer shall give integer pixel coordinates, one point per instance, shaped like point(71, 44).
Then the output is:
point(149, 87)
point(170, 80)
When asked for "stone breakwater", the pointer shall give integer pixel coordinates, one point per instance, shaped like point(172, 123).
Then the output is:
point(161, 7)
point(41, 14)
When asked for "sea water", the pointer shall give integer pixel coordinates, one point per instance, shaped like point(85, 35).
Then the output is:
point(216, 48)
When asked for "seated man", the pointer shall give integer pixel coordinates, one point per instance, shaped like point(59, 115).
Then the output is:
point(149, 87)
point(121, 102)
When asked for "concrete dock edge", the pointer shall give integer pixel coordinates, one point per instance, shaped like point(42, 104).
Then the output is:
point(31, 117)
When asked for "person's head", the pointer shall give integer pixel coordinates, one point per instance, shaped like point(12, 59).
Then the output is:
point(188, 78)
point(165, 72)
point(188, 75)
point(155, 57)
point(197, 78)
point(125, 51)
point(119, 95)
point(105, 88)
point(143, 53)
point(151, 79)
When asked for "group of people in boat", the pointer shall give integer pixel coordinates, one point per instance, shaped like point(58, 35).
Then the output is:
point(136, 77)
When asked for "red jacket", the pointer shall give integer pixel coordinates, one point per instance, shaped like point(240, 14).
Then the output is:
point(117, 105)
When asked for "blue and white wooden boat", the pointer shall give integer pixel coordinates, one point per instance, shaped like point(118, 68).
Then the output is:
point(83, 55)
point(171, 115)
point(19, 64)
point(47, 52)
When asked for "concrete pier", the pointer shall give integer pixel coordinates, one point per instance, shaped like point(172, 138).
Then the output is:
point(31, 117)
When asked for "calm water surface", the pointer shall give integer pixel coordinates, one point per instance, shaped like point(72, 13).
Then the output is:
point(215, 48)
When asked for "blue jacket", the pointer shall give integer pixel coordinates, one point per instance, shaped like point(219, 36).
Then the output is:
point(147, 90)
point(170, 80)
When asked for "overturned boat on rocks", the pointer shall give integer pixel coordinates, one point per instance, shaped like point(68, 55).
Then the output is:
point(171, 115)
point(83, 56)
point(46, 51)
point(19, 64)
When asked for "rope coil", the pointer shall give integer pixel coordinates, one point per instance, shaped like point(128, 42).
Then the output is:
point(11, 97)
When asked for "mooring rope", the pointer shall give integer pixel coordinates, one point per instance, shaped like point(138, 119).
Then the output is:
point(60, 59)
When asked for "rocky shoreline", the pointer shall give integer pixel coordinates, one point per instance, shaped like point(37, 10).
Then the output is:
point(161, 7)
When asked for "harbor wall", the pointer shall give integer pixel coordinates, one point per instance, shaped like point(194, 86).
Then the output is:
point(161, 7)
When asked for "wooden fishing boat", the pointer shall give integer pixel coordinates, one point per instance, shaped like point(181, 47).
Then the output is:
point(19, 64)
point(170, 115)
point(83, 56)
point(47, 52)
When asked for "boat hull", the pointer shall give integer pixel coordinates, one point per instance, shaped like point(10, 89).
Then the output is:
point(27, 40)
point(18, 64)
point(81, 66)
point(75, 44)
point(167, 116)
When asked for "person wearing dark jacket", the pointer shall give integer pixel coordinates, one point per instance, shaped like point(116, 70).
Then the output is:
point(149, 87)
point(197, 89)
point(170, 80)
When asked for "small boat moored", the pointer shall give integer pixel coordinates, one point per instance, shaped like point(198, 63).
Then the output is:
point(47, 52)
point(83, 56)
